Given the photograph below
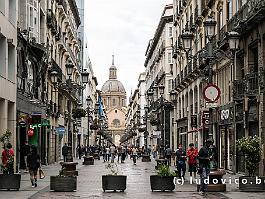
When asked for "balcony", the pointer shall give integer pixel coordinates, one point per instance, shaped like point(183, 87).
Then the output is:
point(248, 16)
point(197, 16)
point(210, 3)
point(62, 7)
point(238, 89)
point(204, 8)
point(252, 84)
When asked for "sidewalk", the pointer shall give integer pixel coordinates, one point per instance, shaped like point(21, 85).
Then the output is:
point(26, 191)
point(138, 184)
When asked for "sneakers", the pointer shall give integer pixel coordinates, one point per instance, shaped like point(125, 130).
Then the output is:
point(202, 193)
point(35, 184)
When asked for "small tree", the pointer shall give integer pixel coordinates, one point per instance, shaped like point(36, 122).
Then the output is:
point(250, 147)
point(5, 138)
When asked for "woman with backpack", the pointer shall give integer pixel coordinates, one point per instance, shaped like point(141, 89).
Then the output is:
point(33, 164)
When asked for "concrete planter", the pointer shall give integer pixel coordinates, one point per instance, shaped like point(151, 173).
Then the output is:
point(250, 184)
point(146, 158)
point(88, 160)
point(10, 182)
point(111, 182)
point(63, 183)
point(162, 183)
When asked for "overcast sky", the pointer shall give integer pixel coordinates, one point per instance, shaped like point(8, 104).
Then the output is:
point(122, 27)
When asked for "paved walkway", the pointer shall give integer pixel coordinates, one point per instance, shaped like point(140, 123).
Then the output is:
point(138, 185)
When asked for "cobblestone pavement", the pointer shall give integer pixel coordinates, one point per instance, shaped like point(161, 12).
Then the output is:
point(138, 185)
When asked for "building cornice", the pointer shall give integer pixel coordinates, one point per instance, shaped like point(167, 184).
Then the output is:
point(74, 9)
point(159, 30)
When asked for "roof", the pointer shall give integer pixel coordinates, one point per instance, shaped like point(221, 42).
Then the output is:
point(113, 85)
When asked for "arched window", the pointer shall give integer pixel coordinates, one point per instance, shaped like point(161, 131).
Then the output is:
point(116, 123)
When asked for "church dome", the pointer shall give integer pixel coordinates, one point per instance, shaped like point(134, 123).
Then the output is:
point(113, 85)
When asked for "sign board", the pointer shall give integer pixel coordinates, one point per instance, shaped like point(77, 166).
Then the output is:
point(211, 104)
point(60, 130)
point(193, 119)
point(211, 93)
point(205, 119)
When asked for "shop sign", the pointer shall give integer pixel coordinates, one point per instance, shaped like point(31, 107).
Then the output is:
point(60, 130)
point(225, 114)
point(193, 119)
point(205, 119)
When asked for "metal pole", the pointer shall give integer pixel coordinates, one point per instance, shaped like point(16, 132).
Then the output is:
point(210, 80)
point(87, 127)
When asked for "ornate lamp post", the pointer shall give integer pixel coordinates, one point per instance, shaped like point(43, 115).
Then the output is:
point(88, 100)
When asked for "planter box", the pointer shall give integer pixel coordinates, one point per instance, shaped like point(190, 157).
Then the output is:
point(10, 181)
point(110, 182)
point(162, 183)
point(160, 162)
point(88, 160)
point(96, 156)
point(251, 185)
point(63, 183)
point(146, 158)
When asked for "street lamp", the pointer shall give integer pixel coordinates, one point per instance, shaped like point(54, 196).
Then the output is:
point(187, 38)
point(209, 26)
point(161, 89)
point(69, 68)
point(173, 95)
point(85, 76)
point(54, 77)
point(233, 40)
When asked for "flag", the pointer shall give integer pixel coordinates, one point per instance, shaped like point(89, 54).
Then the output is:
point(101, 112)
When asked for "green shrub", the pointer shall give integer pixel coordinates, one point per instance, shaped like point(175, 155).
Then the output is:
point(164, 171)
point(250, 147)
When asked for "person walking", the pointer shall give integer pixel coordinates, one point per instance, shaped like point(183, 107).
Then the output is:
point(134, 154)
point(79, 150)
point(123, 154)
point(33, 161)
point(168, 155)
point(8, 159)
point(25, 150)
point(192, 161)
point(119, 152)
point(112, 153)
point(204, 165)
point(154, 151)
point(107, 153)
point(64, 152)
point(181, 161)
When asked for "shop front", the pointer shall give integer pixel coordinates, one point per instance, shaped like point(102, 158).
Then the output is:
point(226, 137)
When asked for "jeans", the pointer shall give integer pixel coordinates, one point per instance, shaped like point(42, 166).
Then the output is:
point(112, 158)
point(181, 167)
point(204, 175)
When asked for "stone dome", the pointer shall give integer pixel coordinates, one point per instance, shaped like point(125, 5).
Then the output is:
point(113, 85)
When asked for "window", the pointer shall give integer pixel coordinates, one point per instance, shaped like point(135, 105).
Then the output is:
point(116, 123)
point(11, 62)
point(114, 102)
point(170, 32)
point(230, 9)
point(2, 7)
point(169, 57)
point(122, 102)
point(108, 101)
point(3, 56)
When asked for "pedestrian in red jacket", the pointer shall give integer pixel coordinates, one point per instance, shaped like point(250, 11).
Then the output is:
point(192, 155)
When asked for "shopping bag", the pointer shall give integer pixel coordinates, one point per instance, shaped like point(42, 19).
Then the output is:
point(41, 173)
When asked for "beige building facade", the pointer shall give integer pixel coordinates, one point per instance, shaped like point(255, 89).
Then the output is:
point(113, 97)
point(8, 68)
point(239, 73)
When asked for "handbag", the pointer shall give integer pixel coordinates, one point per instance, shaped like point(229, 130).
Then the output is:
point(41, 173)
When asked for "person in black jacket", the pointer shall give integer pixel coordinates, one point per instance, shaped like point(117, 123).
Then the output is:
point(33, 161)
point(181, 158)
point(204, 165)
point(64, 152)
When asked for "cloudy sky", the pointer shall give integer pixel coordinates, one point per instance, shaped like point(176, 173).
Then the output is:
point(122, 27)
